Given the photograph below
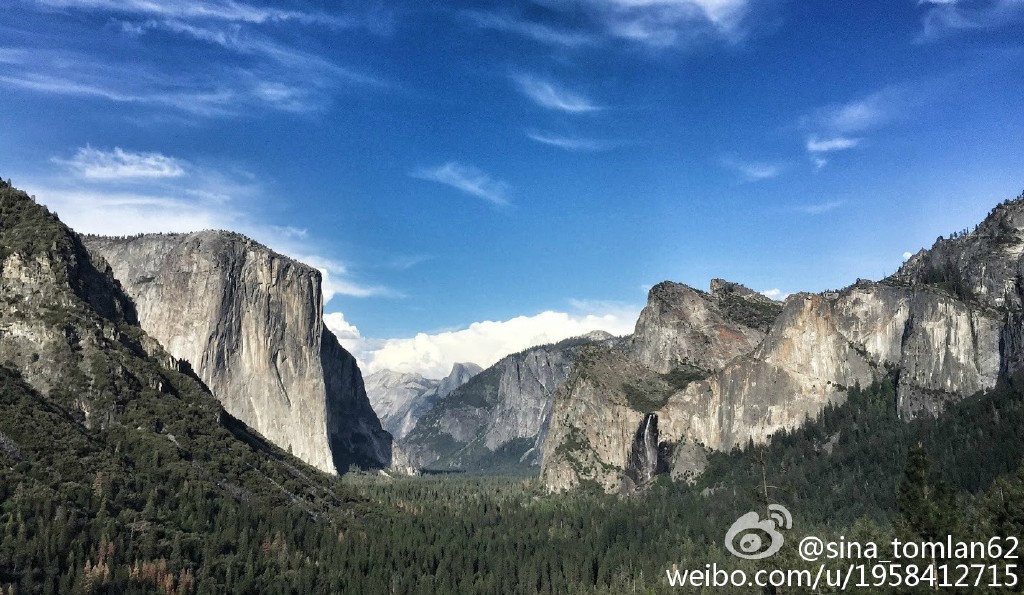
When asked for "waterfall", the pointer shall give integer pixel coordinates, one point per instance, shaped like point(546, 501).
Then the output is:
point(644, 461)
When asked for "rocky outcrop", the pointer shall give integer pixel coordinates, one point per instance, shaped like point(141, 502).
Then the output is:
point(401, 399)
point(498, 419)
point(681, 337)
point(944, 327)
point(594, 422)
point(65, 326)
point(983, 266)
point(937, 348)
point(249, 321)
point(683, 326)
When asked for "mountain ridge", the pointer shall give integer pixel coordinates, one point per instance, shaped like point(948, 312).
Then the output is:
point(945, 336)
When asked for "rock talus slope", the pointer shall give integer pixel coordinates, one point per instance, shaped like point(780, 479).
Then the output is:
point(250, 322)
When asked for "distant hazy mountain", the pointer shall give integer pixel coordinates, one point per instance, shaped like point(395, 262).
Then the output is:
point(400, 399)
point(499, 419)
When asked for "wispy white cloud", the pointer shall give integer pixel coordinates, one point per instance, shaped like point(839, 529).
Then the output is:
point(753, 171)
point(254, 64)
point(552, 96)
point(532, 30)
point(484, 343)
point(854, 116)
point(569, 143)
point(662, 23)
point(946, 17)
point(226, 10)
point(832, 128)
point(649, 23)
point(405, 262)
point(336, 279)
point(468, 179)
point(827, 145)
point(125, 192)
point(819, 208)
point(94, 164)
point(252, 43)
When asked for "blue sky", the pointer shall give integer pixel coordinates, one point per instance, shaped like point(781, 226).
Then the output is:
point(474, 177)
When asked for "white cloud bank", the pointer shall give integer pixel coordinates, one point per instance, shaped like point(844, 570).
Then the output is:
point(482, 343)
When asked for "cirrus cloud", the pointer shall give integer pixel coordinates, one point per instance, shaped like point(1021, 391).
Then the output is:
point(552, 96)
point(569, 143)
point(466, 178)
point(826, 145)
point(94, 164)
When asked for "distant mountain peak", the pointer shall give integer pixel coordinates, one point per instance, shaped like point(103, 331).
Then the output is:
point(462, 368)
point(597, 335)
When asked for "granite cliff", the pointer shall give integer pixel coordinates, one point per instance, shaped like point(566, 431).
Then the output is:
point(601, 416)
point(250, 323)
point(944, 327)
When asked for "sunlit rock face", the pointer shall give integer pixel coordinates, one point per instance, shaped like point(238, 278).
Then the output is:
point(948, 324)
point(250, 322)
point(939, 349)
point(683, 325)
point(612, 392)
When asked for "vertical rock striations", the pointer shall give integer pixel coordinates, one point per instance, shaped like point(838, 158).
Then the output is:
point(250, 322)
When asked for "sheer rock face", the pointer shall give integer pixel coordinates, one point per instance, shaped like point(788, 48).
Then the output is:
point(595, 420)
point(401, 399)
point(939, 346)
point(250, 322)
point(593, 425)
point(822, 344)
point(397, 398)
point(984, 268)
